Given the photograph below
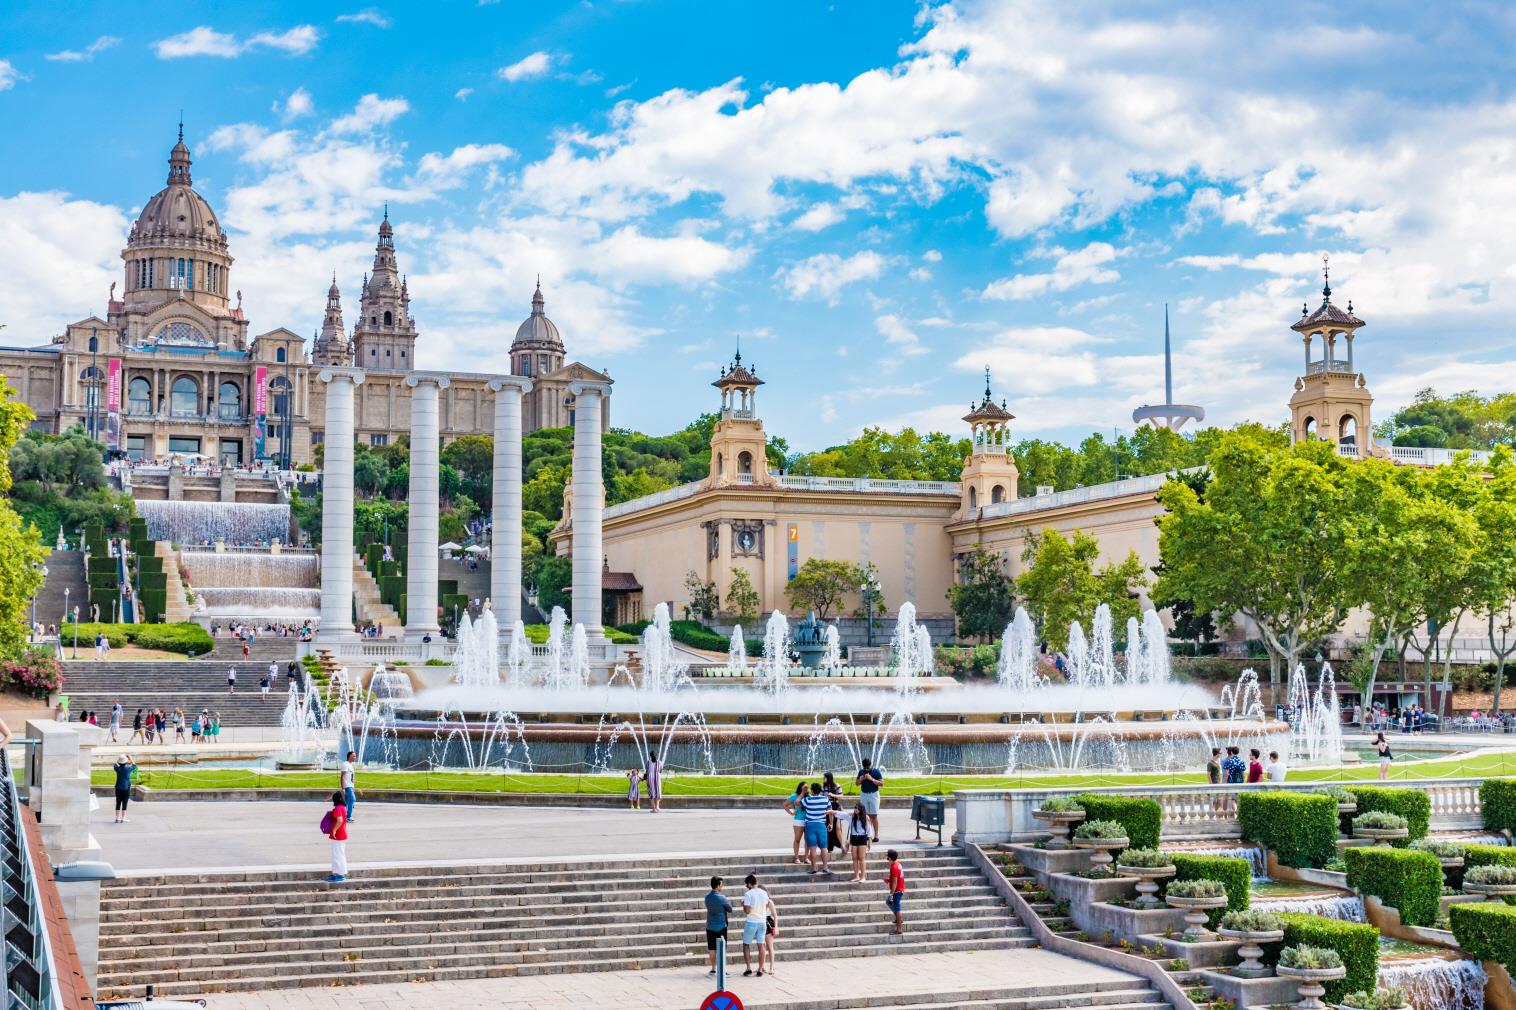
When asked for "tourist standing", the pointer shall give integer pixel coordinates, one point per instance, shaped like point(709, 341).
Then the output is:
point(1233, 768)
point(334, 826)
point(124, 768)
point(1385, 757)
point(755, 908)
point(1275, 769)
point(633, 792)
point(116, 712)
point(1213, 767)
point(137, 728)
point(797, 819)
point(834, 839)
point(273, 673)
point(894, 882)
point(869, 780)
point(1255, 766)
point(99, 645)
point(818, 812)
point(349, 784)
point(231, 680)
point(858, 841)
point(178, 724)
point(216, 727)
point(653, 776)
point(717, 907)
point(771, 933)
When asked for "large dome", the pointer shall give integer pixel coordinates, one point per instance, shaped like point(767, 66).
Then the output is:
point(177, 212)
point(538, 330)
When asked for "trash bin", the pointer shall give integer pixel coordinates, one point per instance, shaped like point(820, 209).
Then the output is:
point(929, 812)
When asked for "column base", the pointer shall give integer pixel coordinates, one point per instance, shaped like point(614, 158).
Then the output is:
point(339, 637)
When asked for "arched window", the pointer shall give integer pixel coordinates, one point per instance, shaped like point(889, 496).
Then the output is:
point(139, 396)
point(720, 465)
point(94, 344)
point(1347, 431)
point(997, 494)
point(92, 378)
point(229, 401)
point(280, 389)
point(184, 397)
point(279, 354)
point(389, 320)
point(973, 499)
point(745, 463)
point(1309, 428)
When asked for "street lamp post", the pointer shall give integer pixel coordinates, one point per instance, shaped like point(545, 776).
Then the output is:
point(34, 600)
point(76, 631)
point(94, 373)
point(65, 618)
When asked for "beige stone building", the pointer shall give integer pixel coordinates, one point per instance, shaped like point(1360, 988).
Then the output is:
point(172, 369)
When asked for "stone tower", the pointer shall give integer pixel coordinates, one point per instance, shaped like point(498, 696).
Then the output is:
point(1331, 402)
point(738, 442)
point(331, 346)
point(385, 335)
point(989, 474)
point(538, 347)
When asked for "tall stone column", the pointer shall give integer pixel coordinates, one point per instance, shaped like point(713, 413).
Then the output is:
point(505, 541)
point(337, 506)
point(589, 503)
point(425, 463)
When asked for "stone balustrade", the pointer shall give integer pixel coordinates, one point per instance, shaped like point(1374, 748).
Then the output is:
point(1189, 812)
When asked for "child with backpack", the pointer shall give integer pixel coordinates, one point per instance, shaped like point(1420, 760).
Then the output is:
point(334, 826)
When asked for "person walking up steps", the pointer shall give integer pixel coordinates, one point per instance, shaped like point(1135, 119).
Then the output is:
point(818, 811)
point(894, 882)
point(350, 784)
point(717, 907)
point(869, 780)
point(116, 713)
point(334, 826)
point(231, 680)
point(755, 906)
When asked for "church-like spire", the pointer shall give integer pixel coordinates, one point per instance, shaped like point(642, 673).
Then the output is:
point(179, 161)
point(330, 346)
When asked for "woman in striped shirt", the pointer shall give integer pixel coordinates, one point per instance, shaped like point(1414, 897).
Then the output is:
point(818, 814)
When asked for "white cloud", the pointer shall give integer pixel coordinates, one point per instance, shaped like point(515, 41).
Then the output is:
point(206, 41)
point(627, 256)
point(827, 273)
point(367, 16)
point(899, 336)
point(371, 112)
point(819, 216)
point(932, 256)
point(9, 75)
point(462, 94)
point(437, 172)
point(1082, 266)
point(298, 104)
point(527, 67)
point(86, 54)
point(68, 253)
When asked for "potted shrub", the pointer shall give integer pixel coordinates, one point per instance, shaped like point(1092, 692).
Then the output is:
point(1310, 967)
point(1381, 826)
point(1347, 803)
point(1449, 854)
point(1388, 998)
point(1149, 866)
point(1196, 898)
point(1491, 881)
point(1101, 838)
point(1060, 813)
point(1254, 928)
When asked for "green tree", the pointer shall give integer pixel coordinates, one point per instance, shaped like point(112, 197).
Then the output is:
point(473, 456)
point(742, 598)
point(544, 492)
point(984, 597)
point(1495, 563)
point(626, 486)
point(1464, 420)
point(1266, 541)
point(820, 585)
point(555, 576)
point(705, 598)
point(21, 553)
point(1061, 585)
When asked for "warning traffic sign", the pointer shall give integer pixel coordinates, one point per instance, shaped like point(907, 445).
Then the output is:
point(721, 1000)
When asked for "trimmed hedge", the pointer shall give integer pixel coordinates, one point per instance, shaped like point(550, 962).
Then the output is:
point(1407, 880)
point(1497, 804)
point(1300, 828)
point(185, 637)
point(1235, 874)
point(1356, 942)
point(1141, 817)
point(1477, 854)
point(1487, 930)
point(1412, 804)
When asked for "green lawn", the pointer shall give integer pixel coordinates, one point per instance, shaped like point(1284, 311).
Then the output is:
point(674, 784)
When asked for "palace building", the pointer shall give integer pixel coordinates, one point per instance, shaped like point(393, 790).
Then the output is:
point(171, 369)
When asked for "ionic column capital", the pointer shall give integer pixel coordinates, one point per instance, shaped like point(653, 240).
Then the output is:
point(519, 383)
point(336, 372)
point(441, 379)
point(600, 386)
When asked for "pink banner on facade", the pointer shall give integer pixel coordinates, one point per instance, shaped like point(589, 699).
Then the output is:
point(113, 385)
point(260, 390)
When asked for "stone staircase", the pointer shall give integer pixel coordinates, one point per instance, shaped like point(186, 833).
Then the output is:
point(266, 646)
point(175, 607)
point(168, 684)
point(195, 933)
point(1106, 995)
point(369, 606)
point(65, 570)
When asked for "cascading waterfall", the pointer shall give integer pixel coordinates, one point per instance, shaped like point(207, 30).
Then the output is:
point(1346, 907)
point(831, 657)
point(1437, 984)
point(389, 685)
point(774, 670)
point(736, 651)
point(1252, 853)
point(196, 522)
point(254, 585)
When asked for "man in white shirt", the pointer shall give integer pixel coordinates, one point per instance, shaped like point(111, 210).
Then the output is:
point(757, 905)
point(1275, 770)
point(350, 784)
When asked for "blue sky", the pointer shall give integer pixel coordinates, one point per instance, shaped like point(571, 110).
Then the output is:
point(879, 198)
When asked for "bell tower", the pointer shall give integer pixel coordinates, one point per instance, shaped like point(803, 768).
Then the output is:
point(738, 443)
point(385, 336)
point(1332, 401)
point(989, 474)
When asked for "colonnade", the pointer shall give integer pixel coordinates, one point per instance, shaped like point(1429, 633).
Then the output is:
point(337, 550)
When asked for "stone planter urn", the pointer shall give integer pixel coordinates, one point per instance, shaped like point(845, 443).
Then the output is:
point(1490, 890)
point(1382, 834)
point(1310, 981)
point(1251, 950)
point(1195, 916)
point(1347, 807)
point(1147, 882)
point(1100, 852)
point(1059, 822)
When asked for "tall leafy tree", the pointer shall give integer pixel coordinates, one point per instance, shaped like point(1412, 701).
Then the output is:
point(21, 552)
point(821, 585)
point(1495, 563)
point(1061, 584)
point(984, 597)
point(1266, 541)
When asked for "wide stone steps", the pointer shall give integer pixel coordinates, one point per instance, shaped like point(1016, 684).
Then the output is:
point(254, 931)
point(1117, 995)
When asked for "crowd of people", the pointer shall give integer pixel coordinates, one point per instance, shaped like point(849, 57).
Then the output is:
point(1230, 768)
point(248, 633)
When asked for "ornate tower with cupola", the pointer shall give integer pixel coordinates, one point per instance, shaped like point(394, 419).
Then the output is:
point(738, 444)
point(989, 474)
point(331, 346)
point(1332, 401)
point(385, 335)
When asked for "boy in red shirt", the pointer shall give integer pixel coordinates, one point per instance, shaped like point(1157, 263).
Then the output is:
point(895, 882)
